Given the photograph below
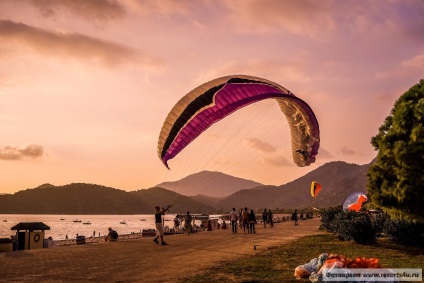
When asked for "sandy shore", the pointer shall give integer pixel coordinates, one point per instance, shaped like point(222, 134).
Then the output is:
point(141, 260)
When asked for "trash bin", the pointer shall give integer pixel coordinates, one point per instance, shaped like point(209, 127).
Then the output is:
point(80, 240)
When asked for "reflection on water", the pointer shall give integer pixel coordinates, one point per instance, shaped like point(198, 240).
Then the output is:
point(62, 225)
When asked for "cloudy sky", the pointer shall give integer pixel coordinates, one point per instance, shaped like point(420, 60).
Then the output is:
point(85, 86)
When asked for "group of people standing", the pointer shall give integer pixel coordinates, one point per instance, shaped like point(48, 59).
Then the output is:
point(246, 220)
point(243, 219)
point(187, 220)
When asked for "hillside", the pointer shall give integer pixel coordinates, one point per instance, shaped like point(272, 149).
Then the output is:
point(76, 198)
point(207, 200)
point(338, 180)
point(213, 184)
point(81, 198)
point(162, 197)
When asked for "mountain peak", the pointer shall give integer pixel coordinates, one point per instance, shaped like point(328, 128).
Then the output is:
point(46, 185)
point(209, 183)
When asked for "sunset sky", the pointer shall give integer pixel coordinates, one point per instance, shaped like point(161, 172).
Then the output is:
point(85, 86)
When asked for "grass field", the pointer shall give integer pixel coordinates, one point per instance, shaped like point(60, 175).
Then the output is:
point(277, 264)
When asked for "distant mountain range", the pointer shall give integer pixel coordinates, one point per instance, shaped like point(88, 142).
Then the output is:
point(338, 180)
point(81, 198)
point(213, 184)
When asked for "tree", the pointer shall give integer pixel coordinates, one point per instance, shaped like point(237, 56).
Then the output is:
point(396, 179)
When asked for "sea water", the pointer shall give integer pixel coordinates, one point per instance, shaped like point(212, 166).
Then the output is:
point(64, 225)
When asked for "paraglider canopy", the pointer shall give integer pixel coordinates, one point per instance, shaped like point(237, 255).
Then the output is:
point(354, 202)
point(315, 188)
point(216, 99)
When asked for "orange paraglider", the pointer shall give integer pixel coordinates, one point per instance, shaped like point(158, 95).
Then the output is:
point(315, 188)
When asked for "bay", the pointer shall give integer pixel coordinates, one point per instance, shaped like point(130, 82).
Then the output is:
point(62, 225)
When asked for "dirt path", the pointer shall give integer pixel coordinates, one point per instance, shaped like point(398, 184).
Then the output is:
point(141, 260)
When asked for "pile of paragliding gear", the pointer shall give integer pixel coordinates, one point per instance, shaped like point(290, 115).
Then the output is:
point(328, 262)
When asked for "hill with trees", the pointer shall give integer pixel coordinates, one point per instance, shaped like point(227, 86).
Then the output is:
point(75, 198)
point(162, 197)
point(81, 198)
point(338, 180)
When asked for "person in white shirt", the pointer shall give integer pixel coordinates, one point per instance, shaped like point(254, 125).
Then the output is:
point(233, 219)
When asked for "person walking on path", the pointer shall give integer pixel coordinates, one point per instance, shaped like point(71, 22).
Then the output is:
point(294, 217)
point(176, 225)
point(187, 223)
point(265, 217)
point(252, 222)
point(159, 224)
point(245, 216)
point(233, 219)
point(270, 218)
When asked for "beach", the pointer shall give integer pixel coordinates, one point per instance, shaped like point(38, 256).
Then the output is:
point(141, 260)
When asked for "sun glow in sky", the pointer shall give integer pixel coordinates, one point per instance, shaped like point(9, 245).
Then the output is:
point(86, 85)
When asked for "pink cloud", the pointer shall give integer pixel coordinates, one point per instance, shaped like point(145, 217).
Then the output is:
point(416, 62)
point(92, 10)
point(323, 153)
point(72, 45)
point(14, 153)
point(299, 17)
point(259, 145)
point(348, 151)
point(277, 161)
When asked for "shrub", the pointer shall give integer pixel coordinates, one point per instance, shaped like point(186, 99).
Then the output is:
point(327, 217)
point(357, 226)
point(406, 232)
point(379, 220)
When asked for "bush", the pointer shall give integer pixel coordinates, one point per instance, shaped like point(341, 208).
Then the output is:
point(363, 228)
point(357, 226)
point(379, 221)
point(327, 217)
point(406, 232)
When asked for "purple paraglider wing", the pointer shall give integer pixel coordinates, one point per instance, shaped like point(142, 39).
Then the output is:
point(216, 99)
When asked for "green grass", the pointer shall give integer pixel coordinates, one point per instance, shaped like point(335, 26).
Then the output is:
point(277, 264)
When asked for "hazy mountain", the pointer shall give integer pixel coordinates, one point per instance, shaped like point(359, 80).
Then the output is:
point(162, 197)
point(338, 180)
point(76, 198)
point(212, 201)
point(81, 198)
point(213, 184)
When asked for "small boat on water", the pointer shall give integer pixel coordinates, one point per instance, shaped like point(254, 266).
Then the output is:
point(62, 218)
point(76, 220)
point(143, 219)
point(4, 220)
point(87, 223)
point(123, 222)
